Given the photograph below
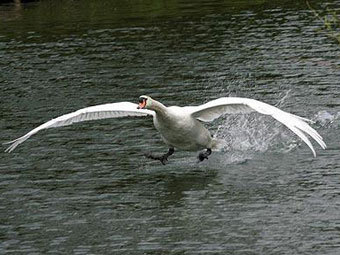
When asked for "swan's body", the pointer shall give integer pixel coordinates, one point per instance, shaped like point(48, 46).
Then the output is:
point(181, 127)
point(179, 130)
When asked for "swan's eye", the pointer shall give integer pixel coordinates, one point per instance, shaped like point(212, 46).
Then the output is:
point(142, 103)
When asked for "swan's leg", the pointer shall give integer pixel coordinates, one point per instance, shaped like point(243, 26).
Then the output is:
point(163, 158)
point(204, 155)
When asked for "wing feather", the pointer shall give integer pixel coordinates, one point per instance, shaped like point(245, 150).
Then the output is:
point(104, 111)
point(234, 105)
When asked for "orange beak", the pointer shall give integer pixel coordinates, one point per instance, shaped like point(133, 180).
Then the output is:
point(142, 104)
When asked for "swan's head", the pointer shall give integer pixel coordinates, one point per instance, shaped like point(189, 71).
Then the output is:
point(145, 102)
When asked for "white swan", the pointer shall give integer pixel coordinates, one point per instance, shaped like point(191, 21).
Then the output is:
point(181, 127)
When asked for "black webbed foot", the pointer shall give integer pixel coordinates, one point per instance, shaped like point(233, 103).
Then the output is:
point(163, 158)
point(204, 155)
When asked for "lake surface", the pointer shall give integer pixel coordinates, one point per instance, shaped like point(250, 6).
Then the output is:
point(87, 189)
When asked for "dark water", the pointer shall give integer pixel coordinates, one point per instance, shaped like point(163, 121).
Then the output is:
point(87, 189)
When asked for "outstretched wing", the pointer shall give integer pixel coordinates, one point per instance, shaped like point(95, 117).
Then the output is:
point(233, 105)
point(104, 111)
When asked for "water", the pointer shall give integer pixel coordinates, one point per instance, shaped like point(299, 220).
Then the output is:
point(87, 189)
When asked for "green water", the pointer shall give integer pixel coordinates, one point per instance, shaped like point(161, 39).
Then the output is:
point(87, 189)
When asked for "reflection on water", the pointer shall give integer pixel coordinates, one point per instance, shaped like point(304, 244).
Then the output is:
point(87, 188)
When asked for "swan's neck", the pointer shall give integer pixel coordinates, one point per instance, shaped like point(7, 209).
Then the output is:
point(159, 108)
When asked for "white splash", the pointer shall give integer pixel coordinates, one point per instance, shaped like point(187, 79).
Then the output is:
point(327, 119)
point(244, 135)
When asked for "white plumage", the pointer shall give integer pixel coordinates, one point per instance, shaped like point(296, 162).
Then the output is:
point(104, 111)
point(181, 127)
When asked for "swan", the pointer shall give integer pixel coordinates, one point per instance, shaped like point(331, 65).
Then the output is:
point(182, 127)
